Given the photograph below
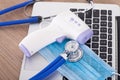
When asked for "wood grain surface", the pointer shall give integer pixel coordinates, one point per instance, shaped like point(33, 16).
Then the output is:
point(10, 36)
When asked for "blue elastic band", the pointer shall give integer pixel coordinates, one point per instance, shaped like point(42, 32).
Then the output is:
point(15, 7)
point(49, 69)
point(35, 19)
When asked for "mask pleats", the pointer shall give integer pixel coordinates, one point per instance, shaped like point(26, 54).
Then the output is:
point(90, 67)
point(98, 64)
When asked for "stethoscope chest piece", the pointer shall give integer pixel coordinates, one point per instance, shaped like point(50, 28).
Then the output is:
point(73, 50)
point(72, 53)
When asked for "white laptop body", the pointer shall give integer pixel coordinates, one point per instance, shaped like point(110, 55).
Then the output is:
point(31, 66)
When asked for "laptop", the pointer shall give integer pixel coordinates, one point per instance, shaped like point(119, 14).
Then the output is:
point(101, 19)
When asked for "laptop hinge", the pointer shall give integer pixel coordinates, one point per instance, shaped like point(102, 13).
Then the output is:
point(118, 37)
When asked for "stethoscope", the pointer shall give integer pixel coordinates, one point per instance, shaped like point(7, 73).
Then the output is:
point(72, 53)
point(31, 19)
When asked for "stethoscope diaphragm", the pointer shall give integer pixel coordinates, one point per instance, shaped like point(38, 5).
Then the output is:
point(73, 51)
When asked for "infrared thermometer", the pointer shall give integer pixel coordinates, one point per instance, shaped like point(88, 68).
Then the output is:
point(64, 25)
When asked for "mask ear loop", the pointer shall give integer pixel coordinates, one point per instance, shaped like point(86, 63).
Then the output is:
point(117, 74)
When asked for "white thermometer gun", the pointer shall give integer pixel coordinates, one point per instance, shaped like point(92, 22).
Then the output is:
point(64, 25)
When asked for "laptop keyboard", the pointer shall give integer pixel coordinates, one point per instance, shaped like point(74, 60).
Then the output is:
point(100, 21)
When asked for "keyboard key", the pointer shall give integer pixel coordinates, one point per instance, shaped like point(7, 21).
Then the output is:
point(95, 39)
point(95, 50)
point(95, 45)
point(105, 60)
point(89, 41)
point(103, 29)
point(103, 23)
point(81, 9)
point(103, 36)
point(109, 37)
point(73, 9)
point(109, 12)
point(81, 15)
point(103, 55)
point(103, 12)
point(109, 78)
point(109, 24)
point(109, 50)
point(109, 43)
point(88, 21)
point(95, 20)
point(95, 32)
point(103, 17)
point(109, 57)
point(95, 13)
point(89, 25)
point(95, 26)
point(110, 63)
point(103, 42)
point(109, 18)
point(64, 78)
point(110, 30)
point(89, 13)
point(88, 45)
point(103, 49)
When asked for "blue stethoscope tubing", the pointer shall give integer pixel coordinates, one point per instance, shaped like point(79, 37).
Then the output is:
point(49, 69)
point(16, 7)
point(34, 19)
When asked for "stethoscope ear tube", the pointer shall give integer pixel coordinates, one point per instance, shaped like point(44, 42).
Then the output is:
point(34, 19)
point(49, 69)
point(15, 7)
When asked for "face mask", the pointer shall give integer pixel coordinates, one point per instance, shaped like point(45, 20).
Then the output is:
point(89, 67)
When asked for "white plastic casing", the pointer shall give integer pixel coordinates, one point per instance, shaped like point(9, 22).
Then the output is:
point(64, 24)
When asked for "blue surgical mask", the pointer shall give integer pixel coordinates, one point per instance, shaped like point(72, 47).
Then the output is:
point(89, 67)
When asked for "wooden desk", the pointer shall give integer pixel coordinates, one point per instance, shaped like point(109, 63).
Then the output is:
point(10, 55)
